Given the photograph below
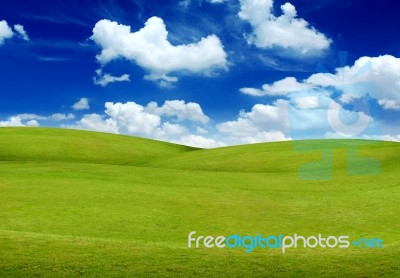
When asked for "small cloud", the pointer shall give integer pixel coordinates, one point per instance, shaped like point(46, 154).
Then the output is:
point(82, 104)
point(105, 79)
point(32, 123)
point(190, 111)
point(62, 117)
point(5, 31)
point(280, 87)
point(95, 122)
point(21, 31)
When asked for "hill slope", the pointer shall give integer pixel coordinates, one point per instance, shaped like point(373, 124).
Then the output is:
point(76, 203)
point(63, 145)
point(280, 156)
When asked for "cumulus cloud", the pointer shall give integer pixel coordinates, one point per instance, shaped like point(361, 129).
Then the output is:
point(12, 121)
point(260, 118)
point(382, 72)
point(95, 122)
point(21, 31)
point(178, 108)
point(285, 31)
point(199, 142)
point(280, 87)
point(105, 79)
point(5, 31)
point(132, 118)
point(15, 121)
point(150, 49)
point(299, 117)
point(32, 123)
point(170, 129)
point(82, 104)
point(151, 121)
point(264, 123)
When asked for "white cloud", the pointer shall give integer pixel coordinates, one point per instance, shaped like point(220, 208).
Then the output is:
point(390, 104)
point(300, 117)
point(307, 102)
point(261, 118)
point(178, 108)
point(5, 31)
point(150, 49)
point(62, 117)
point(21, 31)
point(12, 121)
point(105, 79)
point(132, 118)
point(173, 129)
point(199, 142)
point(280, 87)
point(264, 123)
point(382, 72)
point(32, 123)
point(151, 121)
point(285, 31)
point(82, 104)
point(15, 121)
point(95, 122)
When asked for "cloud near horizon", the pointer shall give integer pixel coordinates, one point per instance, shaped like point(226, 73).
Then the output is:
point(169, 122)
point(382, 72)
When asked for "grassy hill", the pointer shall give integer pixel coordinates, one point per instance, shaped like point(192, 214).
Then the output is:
point(63, 145)
point(75, 203)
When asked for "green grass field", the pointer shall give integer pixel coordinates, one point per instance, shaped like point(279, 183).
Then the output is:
point(77, 203)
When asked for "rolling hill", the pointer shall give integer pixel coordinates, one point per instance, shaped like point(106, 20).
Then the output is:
point(78, 203)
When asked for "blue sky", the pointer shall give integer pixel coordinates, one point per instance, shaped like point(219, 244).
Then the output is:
point(206, 73)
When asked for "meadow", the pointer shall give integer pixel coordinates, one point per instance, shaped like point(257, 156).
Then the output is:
point(77, 203)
